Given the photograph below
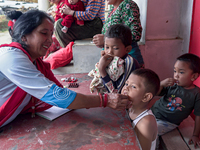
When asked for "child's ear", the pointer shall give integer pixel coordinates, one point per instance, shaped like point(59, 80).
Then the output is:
point(128, 48)
point(147, 97)
point(194, 76)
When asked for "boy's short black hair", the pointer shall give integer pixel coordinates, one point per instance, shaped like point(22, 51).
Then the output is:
point(120, 31)
point(194, 61)
point(152, 81)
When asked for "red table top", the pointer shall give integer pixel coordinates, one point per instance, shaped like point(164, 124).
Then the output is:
point(83, 129)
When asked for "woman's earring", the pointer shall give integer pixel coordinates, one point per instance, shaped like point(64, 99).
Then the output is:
point(23, 39)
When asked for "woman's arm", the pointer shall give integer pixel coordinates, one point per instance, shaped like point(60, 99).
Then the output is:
point(115, 101)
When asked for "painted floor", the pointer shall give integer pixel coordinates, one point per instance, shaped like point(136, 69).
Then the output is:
point(83, 129)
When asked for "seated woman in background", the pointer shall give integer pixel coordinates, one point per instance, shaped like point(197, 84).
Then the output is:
point(93, 17)
point(27, 83)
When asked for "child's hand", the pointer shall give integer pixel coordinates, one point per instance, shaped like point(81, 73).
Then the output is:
point(167, 82)
point(103, 63)
point(103, 53)
point(195, 140)
point(66, 10)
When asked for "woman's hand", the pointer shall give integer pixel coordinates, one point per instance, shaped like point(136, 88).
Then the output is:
point(66, 10)
point(117, 101)
point(98, 40)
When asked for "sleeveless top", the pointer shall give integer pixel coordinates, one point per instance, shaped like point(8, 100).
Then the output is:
point(139, 117)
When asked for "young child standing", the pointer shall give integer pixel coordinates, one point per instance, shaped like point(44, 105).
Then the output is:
point(141, 87)
point(118, 40)
point(180, 97)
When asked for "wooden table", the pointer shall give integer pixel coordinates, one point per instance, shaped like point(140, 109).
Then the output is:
point(83, 129)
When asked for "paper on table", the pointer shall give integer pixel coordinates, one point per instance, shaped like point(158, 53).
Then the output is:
point(53, 113)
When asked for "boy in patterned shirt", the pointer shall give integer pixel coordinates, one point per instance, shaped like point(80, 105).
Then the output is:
point(118, 40)
point(125, 12)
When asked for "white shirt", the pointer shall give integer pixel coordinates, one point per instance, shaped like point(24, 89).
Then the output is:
point(16, 70)
point(140, 116)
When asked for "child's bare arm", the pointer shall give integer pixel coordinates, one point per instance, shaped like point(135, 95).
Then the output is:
point(146, 130)
point(195, 137)
point(165, 83)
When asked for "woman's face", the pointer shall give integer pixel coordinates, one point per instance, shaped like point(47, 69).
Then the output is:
point(40, 39)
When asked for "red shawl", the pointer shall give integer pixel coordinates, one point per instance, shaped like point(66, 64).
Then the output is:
point(10, 106)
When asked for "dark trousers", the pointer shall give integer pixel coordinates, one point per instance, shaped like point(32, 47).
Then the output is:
point(76, 32)
point(136, 53)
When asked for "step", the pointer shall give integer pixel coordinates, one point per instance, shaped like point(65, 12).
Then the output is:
point(85, 56)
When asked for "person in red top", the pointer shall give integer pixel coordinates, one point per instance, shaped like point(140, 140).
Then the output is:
point(76, 5)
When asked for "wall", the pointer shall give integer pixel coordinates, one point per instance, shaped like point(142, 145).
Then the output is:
point(142, 4)
point(195, 33)
point(167, 33)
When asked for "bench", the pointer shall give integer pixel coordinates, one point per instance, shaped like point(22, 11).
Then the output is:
point(179, 137)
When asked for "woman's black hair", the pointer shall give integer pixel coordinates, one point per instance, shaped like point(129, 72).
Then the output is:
point(13, 15)
point(25, 23)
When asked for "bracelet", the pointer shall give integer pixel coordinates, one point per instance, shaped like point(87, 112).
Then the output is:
point(101, 100)
point(73, 13)
point(105, 99)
